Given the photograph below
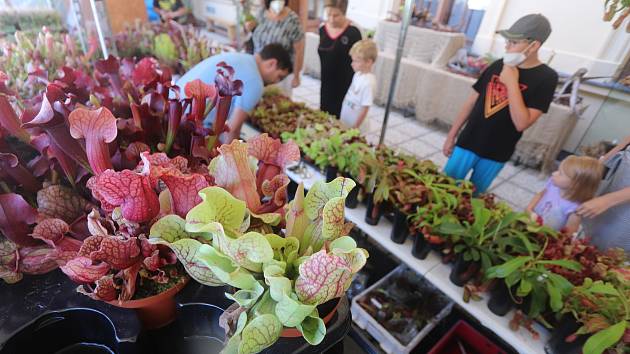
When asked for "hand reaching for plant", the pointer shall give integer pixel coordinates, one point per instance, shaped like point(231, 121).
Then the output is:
point(296, 81)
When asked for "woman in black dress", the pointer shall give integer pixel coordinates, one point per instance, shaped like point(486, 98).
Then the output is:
point(336, 37)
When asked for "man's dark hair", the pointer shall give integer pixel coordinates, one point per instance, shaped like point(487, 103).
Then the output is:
point(268, 3)
point(277, 51)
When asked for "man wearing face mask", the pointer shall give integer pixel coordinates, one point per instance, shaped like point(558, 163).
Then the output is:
point(509, 96)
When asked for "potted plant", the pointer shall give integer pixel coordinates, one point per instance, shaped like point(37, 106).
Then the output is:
point(279, 279)
point(601, 310)
point(532, 278)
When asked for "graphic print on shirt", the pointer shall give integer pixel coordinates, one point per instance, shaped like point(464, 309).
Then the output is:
point(497, 96)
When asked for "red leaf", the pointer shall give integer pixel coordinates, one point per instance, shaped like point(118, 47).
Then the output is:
point(184, 191)
point(108, 66)
point(81, 270)
point(16, 216)
point(60, 202)
point(98, 128)
point(145, 72)
point(118, 252)
point(105, 290)
point(37, 260)
point(129, 190)
point(129, 277)
point(91, 244)
point(51, 231)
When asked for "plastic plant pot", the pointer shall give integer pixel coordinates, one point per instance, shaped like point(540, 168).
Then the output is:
point(463, 271)
point(352, 200)
point(400, 230)
point(374, 211)
point(557, 342)
point(421, 247)
point(155, 311)
point(76, 330)
point(291, 189)
point(500, 302)
point(463, 338)
point(331, 173)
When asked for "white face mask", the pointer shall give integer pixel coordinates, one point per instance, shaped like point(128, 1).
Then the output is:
point(515, 59)
point(276, 6)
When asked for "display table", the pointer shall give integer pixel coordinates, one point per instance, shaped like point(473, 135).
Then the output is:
point(438, 273)
point(424, 45)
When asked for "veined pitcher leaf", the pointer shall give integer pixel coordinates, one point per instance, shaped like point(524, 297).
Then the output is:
point(249, 251)
point(187, 251)
point(291, 312)
point(218, 206)
point(322, 277)
point(260, 333)
point(313, 329)
point(225, 269)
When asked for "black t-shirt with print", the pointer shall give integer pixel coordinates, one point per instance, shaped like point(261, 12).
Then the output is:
point(490, 132)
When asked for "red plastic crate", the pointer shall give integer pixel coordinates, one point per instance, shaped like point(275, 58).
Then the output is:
point(471, 340)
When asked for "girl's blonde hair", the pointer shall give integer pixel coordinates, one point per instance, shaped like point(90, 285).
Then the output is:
point(585, 174)
point(339, 4)
point(365, 49)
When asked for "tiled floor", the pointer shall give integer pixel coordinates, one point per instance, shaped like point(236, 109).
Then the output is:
point(515, 184)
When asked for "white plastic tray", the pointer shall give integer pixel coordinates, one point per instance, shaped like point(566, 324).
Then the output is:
point(388, 342)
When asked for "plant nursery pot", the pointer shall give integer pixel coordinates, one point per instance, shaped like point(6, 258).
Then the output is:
point(500, 302)
point(331, 173)
point(374, 211)
point(557, 342)
point(75, 330)
point(156, 311)
point(421, 247)
point(352, 200)
point(291, 189)
point(400, 230)
point(327, 309)
point(463, 271)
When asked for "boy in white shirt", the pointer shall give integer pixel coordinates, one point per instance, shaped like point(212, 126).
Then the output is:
point(361, 92)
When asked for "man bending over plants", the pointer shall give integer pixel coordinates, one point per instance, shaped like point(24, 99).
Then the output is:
point(268, 67)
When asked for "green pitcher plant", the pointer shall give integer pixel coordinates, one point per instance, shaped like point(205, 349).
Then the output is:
point(280, 279)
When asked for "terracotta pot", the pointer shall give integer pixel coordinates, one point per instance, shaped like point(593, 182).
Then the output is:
point(155, 311)
point(294, 333)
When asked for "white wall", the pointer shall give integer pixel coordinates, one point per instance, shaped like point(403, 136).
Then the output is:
point(579, 37)
point(367, 13)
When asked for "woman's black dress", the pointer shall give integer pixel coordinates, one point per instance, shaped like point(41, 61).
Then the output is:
point(336, 71)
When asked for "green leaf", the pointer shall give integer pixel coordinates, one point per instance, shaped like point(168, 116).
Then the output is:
point(600, 287)
point(313, 329)
point(322, 277)
point(224, 268)
point(218, 206)
point(555, 298)
point(234, 342)
point(572, 265)
point(187, 252)
point(249, 251)
point(291, 312)
point(604, 339)
point(560, 283)
point(482, 215)
point(259, 334)
point(524, 288)
point(345, 243)
point(245, 297)
point(504, 270)
point(170, 228)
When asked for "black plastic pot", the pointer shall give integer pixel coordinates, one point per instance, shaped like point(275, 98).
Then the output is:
point(374, 211)
point(421, 247)
point(331, 173)
point(463, 271)
point(352, 200)
point(291, 189)
point(557, 343)
point(500, 302)
point(400, 230)
point(78, 330)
